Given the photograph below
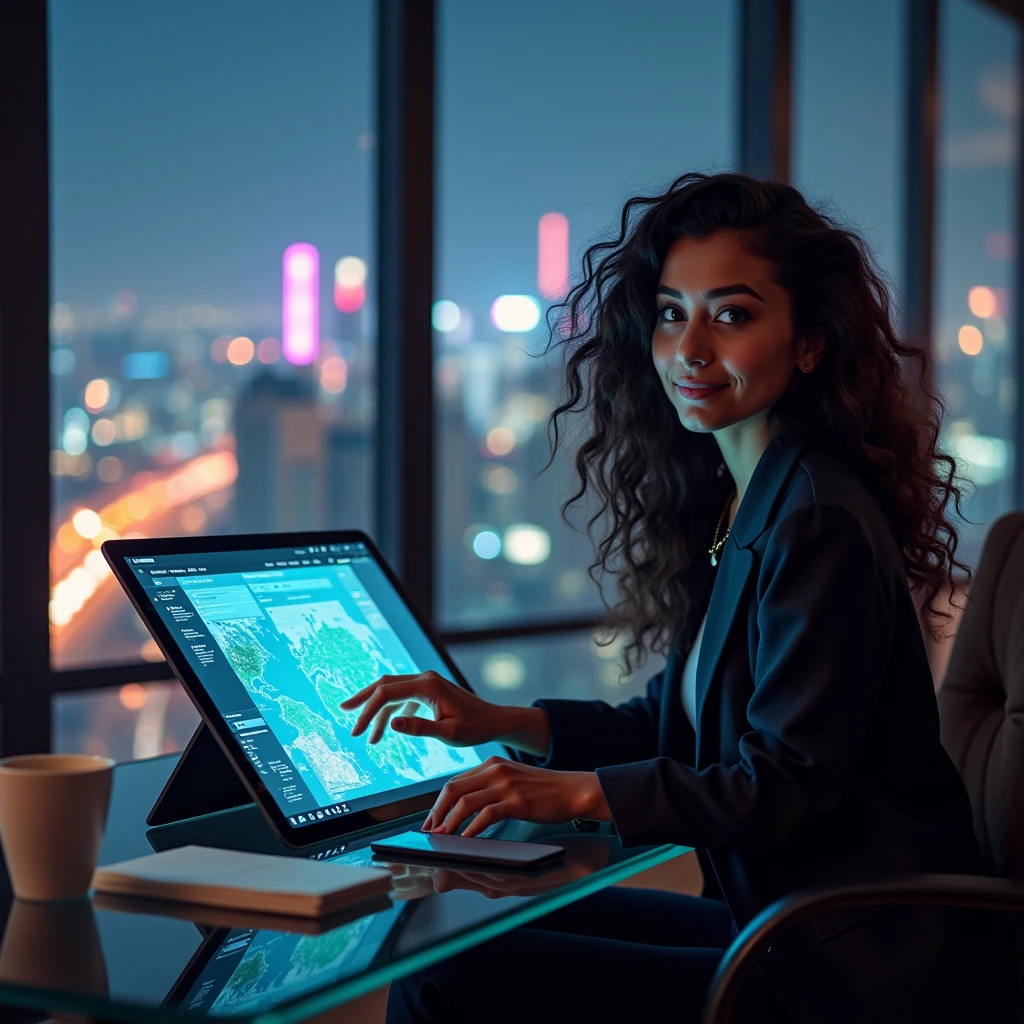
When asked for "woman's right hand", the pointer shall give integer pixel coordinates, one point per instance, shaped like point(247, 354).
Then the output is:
point(461, 719)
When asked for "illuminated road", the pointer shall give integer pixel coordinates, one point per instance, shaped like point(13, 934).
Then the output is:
point(92, 622)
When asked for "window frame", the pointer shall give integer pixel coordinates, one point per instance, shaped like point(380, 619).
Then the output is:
point(404, 452)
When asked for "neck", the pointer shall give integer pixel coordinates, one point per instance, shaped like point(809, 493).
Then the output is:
point(741, 446)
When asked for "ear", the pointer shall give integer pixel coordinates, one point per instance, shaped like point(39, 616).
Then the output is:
point(810, 349)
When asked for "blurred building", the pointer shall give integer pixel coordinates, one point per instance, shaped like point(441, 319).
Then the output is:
point(282, 457)
point(297, 470)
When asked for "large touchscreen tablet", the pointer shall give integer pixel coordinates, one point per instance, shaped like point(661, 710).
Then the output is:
point(269, 634)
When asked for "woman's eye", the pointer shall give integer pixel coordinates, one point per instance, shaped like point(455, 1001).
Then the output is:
point(665, 311)
point(738, 311)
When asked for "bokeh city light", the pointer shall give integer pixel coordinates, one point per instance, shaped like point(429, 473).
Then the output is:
point(240, 351)
point(445, 316)
point(970, 340)
point(526, 544)
point(349, 284)
point(515, 314)
point(982, 302)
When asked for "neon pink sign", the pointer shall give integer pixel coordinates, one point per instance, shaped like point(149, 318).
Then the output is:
point(553, 255)
point(300, 304)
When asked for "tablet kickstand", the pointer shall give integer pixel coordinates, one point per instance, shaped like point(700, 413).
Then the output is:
point(203, 781)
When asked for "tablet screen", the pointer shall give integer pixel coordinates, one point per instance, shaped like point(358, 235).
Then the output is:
point(278, 638)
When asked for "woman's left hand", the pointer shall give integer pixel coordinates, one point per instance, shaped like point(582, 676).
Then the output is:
point(499, 789)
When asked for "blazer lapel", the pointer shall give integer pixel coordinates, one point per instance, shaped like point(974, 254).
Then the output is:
point(755, 514)
point(734, 570)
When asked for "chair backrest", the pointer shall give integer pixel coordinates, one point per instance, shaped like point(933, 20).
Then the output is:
point(981, 701)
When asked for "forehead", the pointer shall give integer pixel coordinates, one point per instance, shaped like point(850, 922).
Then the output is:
point(697, 264)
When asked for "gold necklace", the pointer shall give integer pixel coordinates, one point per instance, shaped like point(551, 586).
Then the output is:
point(716, 544)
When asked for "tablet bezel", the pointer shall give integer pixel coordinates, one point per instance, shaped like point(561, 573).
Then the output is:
point(118, 552)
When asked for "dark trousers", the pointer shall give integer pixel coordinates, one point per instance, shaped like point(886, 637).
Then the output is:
point(619, 955)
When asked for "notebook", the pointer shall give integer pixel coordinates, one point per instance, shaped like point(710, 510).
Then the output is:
point(229, 917)
point(202, 875)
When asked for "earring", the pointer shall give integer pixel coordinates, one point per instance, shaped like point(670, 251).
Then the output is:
point(807, 367)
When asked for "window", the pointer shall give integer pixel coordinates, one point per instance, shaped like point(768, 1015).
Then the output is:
point(211, 340)
point(847, 121)
point(124, 722)
point(978, 154)
point(538, 148)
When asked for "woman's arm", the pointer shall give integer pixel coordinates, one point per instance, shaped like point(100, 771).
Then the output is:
point(826, 632)
point(586, 734)
point(527, 731)
point(558, 733)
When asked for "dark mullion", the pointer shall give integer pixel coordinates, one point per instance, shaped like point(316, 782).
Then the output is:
point(765, 88)
point(520, 631)
point(405, 210)
point(1018, 298)
point(76, 680)
point(24, 381)
point(920, 134)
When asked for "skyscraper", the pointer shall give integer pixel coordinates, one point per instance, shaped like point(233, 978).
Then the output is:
point(298, 470)
point(282, 460)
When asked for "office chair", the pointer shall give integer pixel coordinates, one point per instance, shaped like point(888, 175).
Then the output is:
point(981, 712)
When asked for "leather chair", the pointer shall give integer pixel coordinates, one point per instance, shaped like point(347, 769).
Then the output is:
point(981, 710)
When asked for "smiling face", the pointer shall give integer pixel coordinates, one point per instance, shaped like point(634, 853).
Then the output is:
point(723, 344)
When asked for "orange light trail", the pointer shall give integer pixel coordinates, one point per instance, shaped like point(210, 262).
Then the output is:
point(75, 554)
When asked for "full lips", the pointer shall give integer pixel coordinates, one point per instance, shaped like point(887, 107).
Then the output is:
point(699, 392)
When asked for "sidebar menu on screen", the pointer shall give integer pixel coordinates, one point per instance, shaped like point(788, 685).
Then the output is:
point(230, 697)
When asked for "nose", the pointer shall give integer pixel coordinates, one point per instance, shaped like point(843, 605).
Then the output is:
point(692, 349)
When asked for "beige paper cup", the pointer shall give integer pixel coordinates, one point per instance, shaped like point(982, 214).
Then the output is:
point(53, 810)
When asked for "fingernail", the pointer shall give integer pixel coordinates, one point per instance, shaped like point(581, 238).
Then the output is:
point(440, 828)
point(398, 723)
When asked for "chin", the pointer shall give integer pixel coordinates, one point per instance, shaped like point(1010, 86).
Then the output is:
point(696, 426)
point(696, 423)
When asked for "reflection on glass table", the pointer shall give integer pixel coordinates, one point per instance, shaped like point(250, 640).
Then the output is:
point(585, 856)
point(146, 963)
point(245, 971)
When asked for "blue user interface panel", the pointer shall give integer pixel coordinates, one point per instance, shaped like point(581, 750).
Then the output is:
point(279, 638)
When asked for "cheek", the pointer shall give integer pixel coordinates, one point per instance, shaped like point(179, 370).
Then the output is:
point(662, 353)
point(760, 367)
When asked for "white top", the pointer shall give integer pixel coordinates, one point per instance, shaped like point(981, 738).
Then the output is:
point(690, 676)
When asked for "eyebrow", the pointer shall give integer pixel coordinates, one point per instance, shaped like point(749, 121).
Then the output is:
point(713, 293)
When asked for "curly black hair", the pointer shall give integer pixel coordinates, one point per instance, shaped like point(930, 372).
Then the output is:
point(660, 487)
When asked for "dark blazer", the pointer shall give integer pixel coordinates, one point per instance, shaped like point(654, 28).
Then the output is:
point(816, 756)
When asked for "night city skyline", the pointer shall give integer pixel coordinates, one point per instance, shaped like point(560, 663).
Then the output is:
point(185, 163)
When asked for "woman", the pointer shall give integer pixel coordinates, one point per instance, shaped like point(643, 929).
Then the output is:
point(771, 483)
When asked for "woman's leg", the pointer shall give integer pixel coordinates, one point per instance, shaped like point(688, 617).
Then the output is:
point(536, 976)
point(619, 954)
point(650, 916)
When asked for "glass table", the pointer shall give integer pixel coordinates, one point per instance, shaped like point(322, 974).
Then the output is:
point(117, 959)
